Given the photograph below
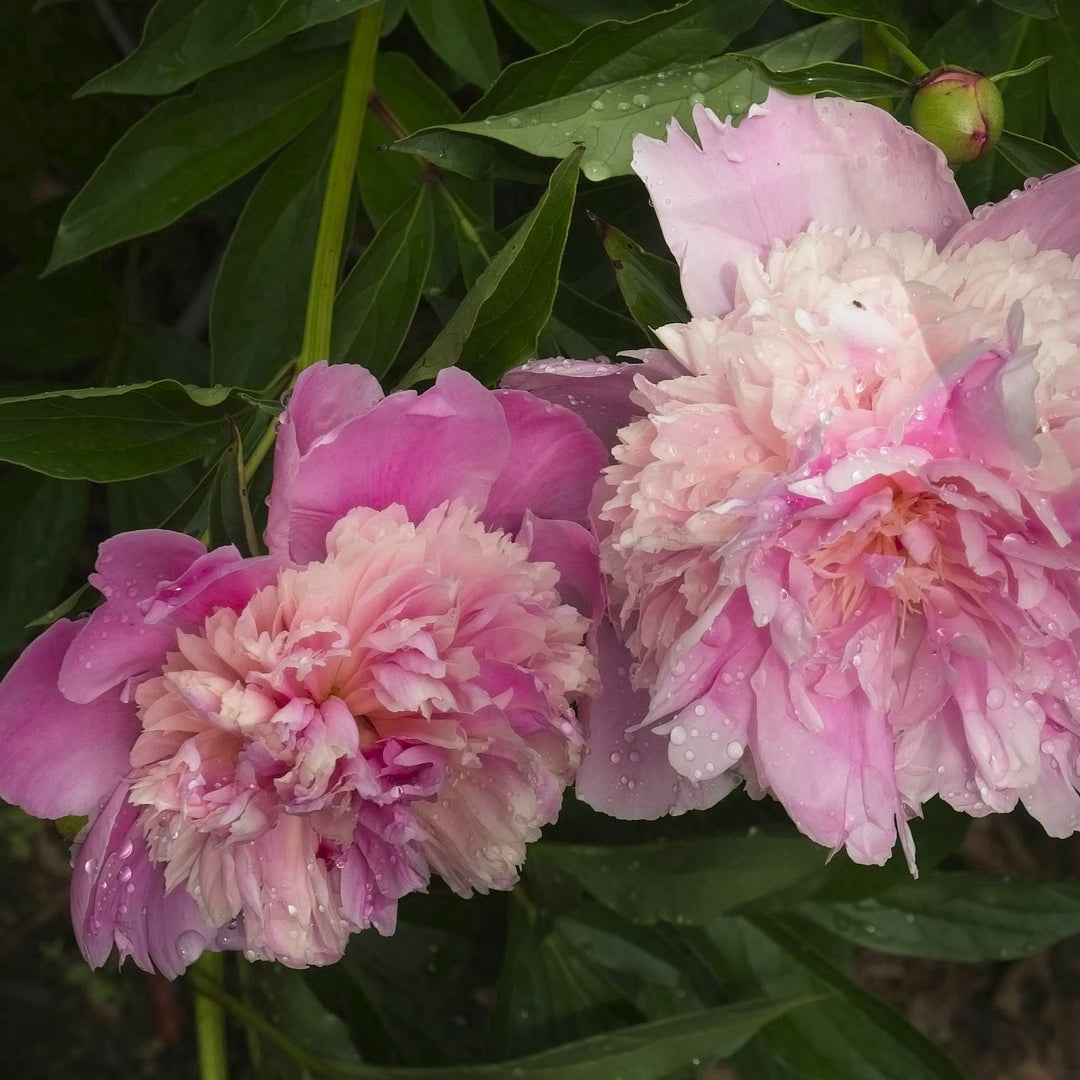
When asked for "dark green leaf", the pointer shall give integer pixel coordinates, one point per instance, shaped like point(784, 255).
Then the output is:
point(500, 319)
point(651, 1051)
point(413, 101)
point(292, 16)
point(584, 329)
point(956, 916)
point(257, 314)
point(1030, 157)
point(685, 881)
point(230, 508)
point(115, 433)
point(542, 29)
point(376, 303)
point(460, 33)
point(147, 502)
point(847, 80)
point(649, 284)
point(190, 147)
point(440, 962)
point(611, 52)
point(284, 999)
point(76, 602)
point(1063, 69)
point(851, 1034)
point(548, 993)
point(889, 13)
point(44, 521)
point(186, 39)
point(604, 120)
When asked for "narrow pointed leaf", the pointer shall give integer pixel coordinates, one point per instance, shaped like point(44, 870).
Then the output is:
point(649, 284)
point(499, 321)
point(257, 313)
point(848, 80)
point(685, 881)
point(616, 50)
point(605, 119)
point(377, 301)
point(186, 39)
point(957, 916)
point(116, 433)
point(460, 33)
point(188, 148)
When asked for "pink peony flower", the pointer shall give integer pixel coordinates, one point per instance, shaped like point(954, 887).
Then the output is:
point(272, 751)
point(840, 532)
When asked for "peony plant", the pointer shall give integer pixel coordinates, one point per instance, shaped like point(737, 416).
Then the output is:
point(427, 670)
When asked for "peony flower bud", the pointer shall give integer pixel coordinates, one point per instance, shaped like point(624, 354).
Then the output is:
point(959, 111)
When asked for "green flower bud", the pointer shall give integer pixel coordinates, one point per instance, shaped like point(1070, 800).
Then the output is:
point(960, 111)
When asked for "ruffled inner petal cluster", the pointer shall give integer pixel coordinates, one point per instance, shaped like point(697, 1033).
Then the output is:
point(841, 543)
point(402, 705)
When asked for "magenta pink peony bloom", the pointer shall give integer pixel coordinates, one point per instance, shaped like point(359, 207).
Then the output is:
point(273, 751)
point(841, 532)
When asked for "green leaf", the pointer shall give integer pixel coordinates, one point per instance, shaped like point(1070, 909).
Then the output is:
point(116, 433)
point(500, 319)
point(543, 30)
point(260, 297)
point(76, 602)
point(404, 92)
point(283, 998)
point(44, 520)
point(1029, 157)
point(685, 881)
point(460, 33)
point(190, 147)
point(583, 329)
point(438, 963)
point(649, 284)
point(850, 1034)
point(1063, 68)
point(148, 501)
point(605, 120)
point(230, 508)
point(650, 1051)
point(889, 13)
point(956, 916)
point(377, 301)
point(614, 51)
point(292, 16)
point(186, 39)
point(548, 993)
point(847, 80)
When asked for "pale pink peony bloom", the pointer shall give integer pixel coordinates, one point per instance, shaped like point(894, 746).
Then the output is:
point(840, 536)
point(273, 751)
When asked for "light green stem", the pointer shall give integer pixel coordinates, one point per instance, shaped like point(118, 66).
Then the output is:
point(210, 1020)
point(359, 74)
point(895, 45)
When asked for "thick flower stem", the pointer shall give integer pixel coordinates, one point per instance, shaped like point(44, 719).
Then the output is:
point(210, 1020)
point(895, 45)
point(359, 74)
